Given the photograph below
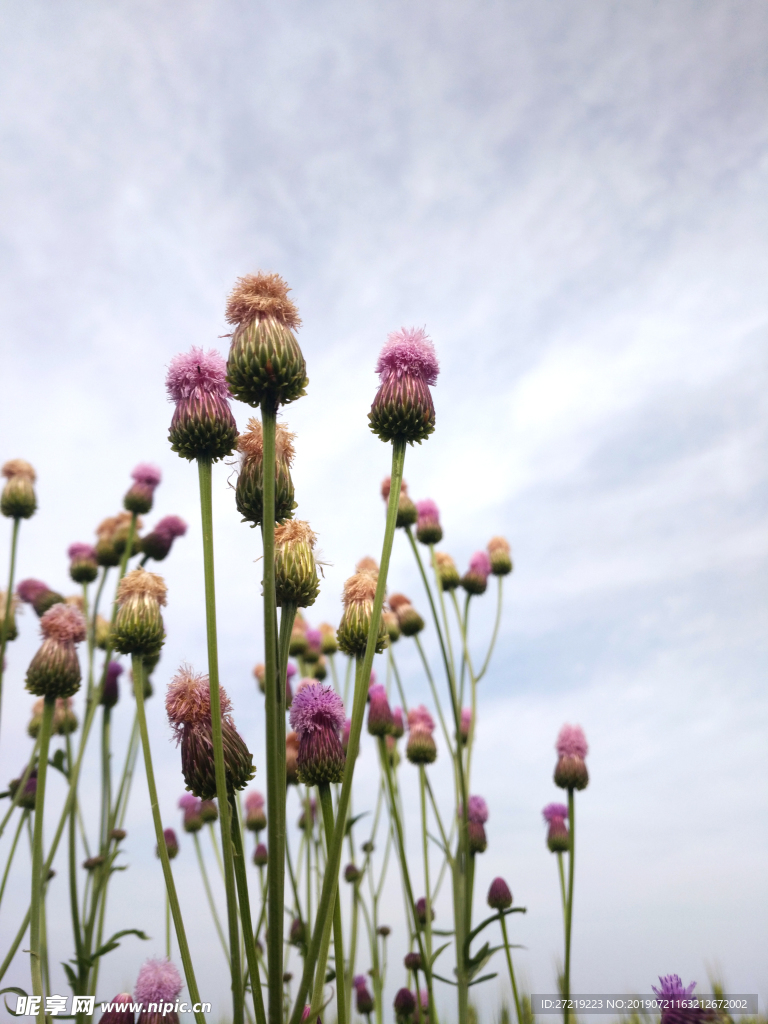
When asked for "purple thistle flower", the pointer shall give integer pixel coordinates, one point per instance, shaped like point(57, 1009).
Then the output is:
point(379, 714)
point(571, 770)
point(672, 987)
point(141, 493)
point(145, 473)
point(359, 981)
point(158, 982)
point(571, 742)
point(477, 810)
point(202, 424)
point(314, 637)
point(428, 528)
point(408, 352)
point(475, 579)
point(499, 895)
point(404, 1004)
point(420, 718)
point(345, 734)
point(254, 800)
point(317, 707)
point(197, 374)
point(159, 541)
point(78, 550)
point(407, 368)
point(553, 811)
point(465, 724)
point(111, 691)
point(398, 726)
point(117, 1015)
point(171, 526)
point(480, 564)
point(189, 802)
point(36, 593)
point(317, 715)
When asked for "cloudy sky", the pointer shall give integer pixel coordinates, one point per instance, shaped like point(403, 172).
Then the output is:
point(571, 198)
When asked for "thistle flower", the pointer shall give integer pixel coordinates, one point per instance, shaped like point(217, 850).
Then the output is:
point(571, 770)
point(158, 542)
point(678, 1005)
point(352, 873)
point(83, 566)
point(39, 595)
point(475, 579)
point(298, 645)
point(407, 367)
point(499, 895)
point(297, 935)
point(55, 670)
point(64, 718)
point(255, 817)
point(421, 747)
point(345, 730)
point(421, 911)
point(428, 528)
point(18, 500)
point(265, 360)
point(477, 815)
point(380, 720)
point(359, 592)
point(408, 618)
point(363, 998)
point(171, 843)
point(558, 837)
point(296, 579)
point(209, 811)
point(404, 1005)
point(465, 724)
point(27, 799)
point(302, 822)
point(111, 691)
point(317, 715)
point(139, 497)
point(202, 426)
point(190, 805)
point(188, 705)
point(500, 555)
point(9, 604)
point(249, 490)
point(292, 758)
point(121, 1011)
point(138, 624)
point(412, 961)
point(447, 573)
point(406, 510)
point(328, 642)
point(368, 564)
point(260, 856)
point(101, 633)
point(314, 645)
point(398, 728)
point(392, 625)
point(157, 985)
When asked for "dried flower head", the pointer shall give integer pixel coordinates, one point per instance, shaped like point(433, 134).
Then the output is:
point(369, 565)
point(18, 468)
point(260, 297)
point(358, 597)
point(188, 700)
point(158, 982)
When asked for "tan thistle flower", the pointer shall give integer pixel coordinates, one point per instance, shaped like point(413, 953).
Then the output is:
point(498, 544)
point(386, 487)
point(141, 583)
point(398, 601)
point(368, 564)
point(295, 531)
point(251, 443)
point(260, 297)
point(188, 700)
point(359, 588)
point(19, 468)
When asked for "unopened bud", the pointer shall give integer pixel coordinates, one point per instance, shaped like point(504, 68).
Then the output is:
point(296, 579)
point(409, 619)
point(499, 896)
point(18, 500)
point(447, 573)
point(139, 624)
point(83, 565)
point(428, 528)
point(202, 426)
point(140, 496)
point(260, 856)
point(499, 552)
point(249, 490)
point(55, 669)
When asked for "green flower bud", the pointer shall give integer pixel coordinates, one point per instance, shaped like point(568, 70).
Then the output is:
point(249, 490)
point(55, 669)
point(359, 592)
point(138, 625)
point(18, 500)
point(447, 573)
point(296, 579)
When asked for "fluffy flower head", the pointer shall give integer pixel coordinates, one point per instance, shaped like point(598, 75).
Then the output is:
point(18, 467)
point(553, 811)
point(477, 810)
point(196, 373)
point(188, 700)
point(571, 742)
point(78, 550)
point(29, 590)
point(317, 707)
point(158, 982)
point(251, 442)
point(64, 623)
point(171, 527)
point(420, 718)
point(189, 802)
point(427, 509)
point(259, 297)
point(145, 473)
point(141, 583)
point(359, 588)
point(480, 564)
point(408, 352)
point(672, 987)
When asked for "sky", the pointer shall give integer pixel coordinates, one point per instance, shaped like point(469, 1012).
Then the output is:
point(571, 199)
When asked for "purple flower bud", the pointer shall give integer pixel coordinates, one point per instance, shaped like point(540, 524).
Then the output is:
point(139, 497)
point(475, 580)
point(255, 817)
point(171, 843)
point(317, 715)
point(398, 727)
point(407, 368)
point(121, 1012)
point(158, 542)
point(363, 999)
point(465, 724)
point(477, 810)
point(412, 961)
point(260, 855)
point(202, 424)
point(39, 595)
point(111, 691)
point(404, 1004)
point(428, 528)
point(379, 714)
point(421, 911)
point(499, 896)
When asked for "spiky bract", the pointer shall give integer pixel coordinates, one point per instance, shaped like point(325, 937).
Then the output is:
point(296, 580)
point(249, 490)
point(138, 625)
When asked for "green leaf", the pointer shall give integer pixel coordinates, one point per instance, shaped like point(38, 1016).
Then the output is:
point(437, 953)
point(74, 981)
point(112, 943)
point(491, 919)
point(485, 977)
point(447, 981)
point(353, 821)
point(18, 992)
point(58, 762)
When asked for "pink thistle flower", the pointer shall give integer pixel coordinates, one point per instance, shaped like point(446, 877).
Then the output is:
point(171, 526)
point(398, 726)
point(475, 579)
point(255, 817)
point(420, 718)
point(345, 734)
point(78, 550)
point(571, 770)
point(29, 590)
point(141, 493)
point(291, 670)
point(408, 352)
point(379, 714)
point(672, 987)
point(477, 810)
point(553, 811)
point(189, 802)
point(145, 473)
point(571, 742)
point(197, 374)
point(465, 724)
point(111, 692)
point(317, 715)
point(159, 541)
point(63, 623)
point(314, 637)
point(158, 982)
point(407, 368)
point(202, 424)
point(254, 800)
point(428, 528)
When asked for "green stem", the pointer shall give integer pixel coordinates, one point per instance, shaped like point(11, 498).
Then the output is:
point(425, 853)
point(326, 805)
point(206, 515)
point(181, 936)
point(245, 915)
point(569, 905)
point(22, 785)
point(494, 635)
point(36, 907)
point(73, 895)
point(561, 872)
point(22, 821)
point(8, 610)
point(167, 928)
point(503, 922)
point(209, 894)
point(106, 777)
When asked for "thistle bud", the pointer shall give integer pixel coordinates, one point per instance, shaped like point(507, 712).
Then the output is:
point(428, 528)
point(359, 592)
point(499, 552)
point(298, 645)
point(379, 714)
point(265, 360)
point(398, 728)
point(249, 490)
point(91, 863)
point(9, 604)
point(314, 645)
point(27, 799)
point(328, 642)
point(188, 705)
point(421, 747)
point(406, 510)
point(302, 822)
point(297, 935)
point(259, 674)
point(83, 566)
point(101, 633)
point(403, 407)
point(138, 624)
point(139, 497)
point(64, 718)
point(405, 1005)
point(475, 579)
point(363, 999)
point(158, 983)
point(18, 500)
point(499, 896)
point(39, 595)
point(171, 844)
point(321, 669)
point(421, 911)
point(209, 811)
point(352, 874)
point(55, 669)
point(465, 725)
point(571, 769)
point(158, 542)
point(408, 618)
point(558, 837)
point(112, 538)
point(121, 1010)
point(292, 758)
point(117, 835)
point(392, 625)
point(447, 573)
point(255, 817)
point(477, 815)
point(345, 730)
point(296, 579)
point(111, 692)
point(202, 426)
point(317, 715)
point(260, 856)
point(412, 961)
point(190, 805)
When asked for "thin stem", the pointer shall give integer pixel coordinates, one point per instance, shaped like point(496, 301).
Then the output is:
point(326, 805)
point(36, 907)
point(245, 915)
point(22, 822)
point(8, 610)
point(22, 785)
point(181, 936)
point(569, 905)
point(209, 894)
point(503, 922)
point(494, 635)
point(206, 515)
point(425, 853)
point(561, 872)
point(73, 896)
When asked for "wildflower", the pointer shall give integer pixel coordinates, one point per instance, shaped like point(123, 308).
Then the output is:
point(55, 670)
point(292, 758)
point(368, 564)
point(428, 528)
point(138, 623)
point(379, 714)
point(302, 822)
point(64, 718)
point(209, 811)
point(352, 873)
point(171, 843)
point(117, 835)
point(265, 360)
point(158, 542)
point(475, 579)
point(404, 1004)
point(412, 961)
point(500, 555)
point(447, 573)
point(297, 935)
point(39, 595)
point(398, 728)
point(260, 855)
point(83, 566)
point(9, 604)
point(188, 705)
point(101, 633)
point(328, 642)
point(116, 1015)
point(392, 625)
point(18, 500)
point(314, 643)
point(421, 911)
point(298, 644)
point(345, 730)
point(27, 799)
point(499, 896)
point(139, 497)
point(407, 367)
point(296, 579)
point(678, 1004)
point(363, 998)
point(421, 747)
point(91, 863)
point(359, 592)
point(571, 769)
point(406, 510)
point(112, 537)
point(408, 618)
point(249, 490)
point(558, 838)
point(202, 426)
point(111, 693)
point(255, 818)
point(193, 819)
point(317, 715)
point(158, 983)
point(477, 815)
point(465, 724)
